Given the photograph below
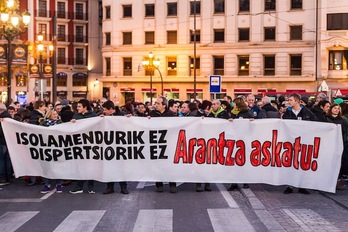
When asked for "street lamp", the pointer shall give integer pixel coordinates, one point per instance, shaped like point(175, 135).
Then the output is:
point(151, 64)
point(10, 27)
point(40, 52)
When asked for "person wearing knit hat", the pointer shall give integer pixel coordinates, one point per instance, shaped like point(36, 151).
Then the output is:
point(320, 96)
point(338, 101)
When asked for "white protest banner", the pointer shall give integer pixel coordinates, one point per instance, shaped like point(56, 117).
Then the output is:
point(272, 151)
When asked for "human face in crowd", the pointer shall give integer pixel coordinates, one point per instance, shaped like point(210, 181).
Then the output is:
point(295, 104)
point(174, 108)
point(318, 99)
point(184, 108)
point(259, 104)
point(59, 108)
point(17, 106)
point(12, 113)
point(326, 108)
point(215, 105)
point(226, 99)
point(335, 110)
point(250, 101)
point(141, 109)
point(81, 109)
point(108, 112)
point(42, 108)
point(159, 106)
point(50, 107)
point(54, 115)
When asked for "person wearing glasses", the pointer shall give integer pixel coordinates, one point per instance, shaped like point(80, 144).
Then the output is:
point(161, 110)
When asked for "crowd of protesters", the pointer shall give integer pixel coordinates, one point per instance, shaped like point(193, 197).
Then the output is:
point(293, 107)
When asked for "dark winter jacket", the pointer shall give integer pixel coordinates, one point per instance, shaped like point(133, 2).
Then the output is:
point(243, 114)
point(4, 114)
point(35, 117)
point(319, 113)
point(166, 113)
point(270, 111)
point(304, 113)
point(89, 114)
point(221, 113)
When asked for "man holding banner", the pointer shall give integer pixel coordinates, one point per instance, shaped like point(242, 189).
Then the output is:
point(84, 110)
point(161, 110)
point(297, 112)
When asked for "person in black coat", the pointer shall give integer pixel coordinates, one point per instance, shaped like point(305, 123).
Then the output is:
point(241, 109)
point(297, 112)
point(217, 111)
point(161, 110)
point(321, 109)
point(5, 162)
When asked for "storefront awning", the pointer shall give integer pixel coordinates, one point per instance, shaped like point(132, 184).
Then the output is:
point(242, 90)
point(148, 90)
point(126, 89)
point(192, 90)
point(171, 90)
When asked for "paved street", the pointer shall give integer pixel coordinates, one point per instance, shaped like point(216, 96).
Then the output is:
point(260, 208)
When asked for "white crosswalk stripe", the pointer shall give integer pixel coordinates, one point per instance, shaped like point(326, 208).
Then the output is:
point(81, 220)
point(154, 220)
point(11, 221)
point(229, 220)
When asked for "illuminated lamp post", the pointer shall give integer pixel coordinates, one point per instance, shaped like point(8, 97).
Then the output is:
point(151, 64)
point(11, 25)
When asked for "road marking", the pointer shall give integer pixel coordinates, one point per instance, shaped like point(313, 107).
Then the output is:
point(142, 185)
point(11, 221)
point(309, 220)
point(81, 220)
point(229, 220)
point(47, 195)
point(228, 198)
point(20, 200)
point(154, 220)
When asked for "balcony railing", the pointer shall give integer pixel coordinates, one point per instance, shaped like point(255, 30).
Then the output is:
point(80, 39)
point(81, 16)
point(42, 13)
point(78, 61)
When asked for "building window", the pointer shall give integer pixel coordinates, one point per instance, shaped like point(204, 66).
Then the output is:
point(127, 11)
point(127, 66)
point(338, 60)
point(78, 11)
point(149, 10)
point(61, 33)
point(149, 37)
point(61, 56)
point(270, 5)
point(269, 65)
point(270, 33)
point(42, 29)
point(108, 66)
point(198, 8)
point(295, 32)
point(337, 21)
point(79, 79)
point(107, 38)
point(295, 65)
point(62, 80)
point(61, 10)
point(127, 38)
point(243, 65)
point(171, 67)
point(219, 35)
point(172, 9)
point(172, 37)
point(79, 34)
point(296, 4)
point(244, 5)
point(192, 65)
point(219, 6)
point(219, 65)
point(107, 12)
point(243, 34)
point(42, 8)
point(192, 36)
